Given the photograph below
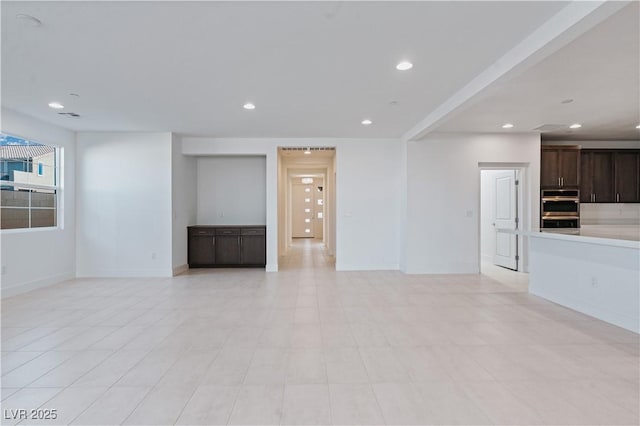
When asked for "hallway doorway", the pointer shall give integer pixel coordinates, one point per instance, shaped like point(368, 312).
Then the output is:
point(307, 253)
point(502, 252)
point(306, 205)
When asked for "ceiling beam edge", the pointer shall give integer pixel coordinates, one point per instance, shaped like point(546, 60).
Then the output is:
point(561, 29)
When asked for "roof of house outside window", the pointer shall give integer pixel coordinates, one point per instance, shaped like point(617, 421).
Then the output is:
point(15, 152)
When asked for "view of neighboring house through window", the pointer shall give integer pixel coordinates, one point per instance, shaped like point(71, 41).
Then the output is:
point(29, 194)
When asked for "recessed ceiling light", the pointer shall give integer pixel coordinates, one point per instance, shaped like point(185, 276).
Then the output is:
point(404, 66)
point(249, 105)
point(28, 19)
point(638, 126)
point(507, 126)
point(575, 126)
point(366, 122)
point(56, 105)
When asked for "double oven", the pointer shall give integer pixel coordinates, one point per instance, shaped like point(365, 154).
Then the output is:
point(560, 208)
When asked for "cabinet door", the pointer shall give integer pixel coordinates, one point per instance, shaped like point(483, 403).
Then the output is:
point(626, 177)
point(228, 250)
point(602, 177)
point(569, 168)
point(586, 180)
point(253, 250)
point(201, 250)
point(549, 177)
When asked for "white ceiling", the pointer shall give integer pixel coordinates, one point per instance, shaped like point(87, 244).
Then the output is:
point(600, 71)
point(314, 69)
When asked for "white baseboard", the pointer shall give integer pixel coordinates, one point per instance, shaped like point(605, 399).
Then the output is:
point(181, 269)
point(126, 273)
point(271, 267)
point(36, 284)
point(376, 267)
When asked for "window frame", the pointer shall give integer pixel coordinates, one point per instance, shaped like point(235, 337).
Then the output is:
point(57, 187)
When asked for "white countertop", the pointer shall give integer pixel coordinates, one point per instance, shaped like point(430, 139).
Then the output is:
point(613, 235)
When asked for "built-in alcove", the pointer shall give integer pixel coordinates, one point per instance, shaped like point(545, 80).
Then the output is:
point(231, 190)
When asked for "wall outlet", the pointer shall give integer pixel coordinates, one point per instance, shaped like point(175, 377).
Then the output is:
point(594, 282)
point(3, 270)
point(469, 213)
point(153, 256)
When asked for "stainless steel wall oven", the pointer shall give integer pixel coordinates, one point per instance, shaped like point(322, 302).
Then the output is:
point(560, 208)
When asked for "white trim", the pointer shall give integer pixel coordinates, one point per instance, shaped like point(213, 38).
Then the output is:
point(180, 269)
point(23, 230)
point(367, 267)
point(35, 284)
point(127, 273)
point(271, 267)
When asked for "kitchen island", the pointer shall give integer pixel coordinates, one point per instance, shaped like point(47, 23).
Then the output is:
point(594, 270)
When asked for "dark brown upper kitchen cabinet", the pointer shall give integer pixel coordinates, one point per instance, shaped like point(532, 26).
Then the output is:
point(596, 176)
point(560, 166)
point(201, 247)
point(627, 176)
point(610, 176)
point(223, 246)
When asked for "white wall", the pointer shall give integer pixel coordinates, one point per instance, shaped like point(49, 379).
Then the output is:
point(183, 200)
point(124, 211)
point(367, 194)
point(443, 195)
point(231, 190)
point(368, 205)
point(40, 257)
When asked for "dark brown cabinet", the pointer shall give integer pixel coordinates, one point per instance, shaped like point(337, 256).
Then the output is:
point(224, 246)
point(627, 176)
point(560, 166)
point(252, 245)
point(610, 176)
point(596, 180)
point(201, 250)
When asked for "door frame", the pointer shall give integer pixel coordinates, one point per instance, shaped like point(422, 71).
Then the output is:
point(523, 205)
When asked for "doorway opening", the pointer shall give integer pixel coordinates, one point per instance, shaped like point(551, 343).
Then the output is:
point(306, 207)
point(503, 212)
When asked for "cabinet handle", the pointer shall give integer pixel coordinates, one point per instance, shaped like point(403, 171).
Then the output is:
point(558, 182)
point(562, 180)
point(617, 197)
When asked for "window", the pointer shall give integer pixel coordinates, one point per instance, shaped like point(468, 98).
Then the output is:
point(29, 195)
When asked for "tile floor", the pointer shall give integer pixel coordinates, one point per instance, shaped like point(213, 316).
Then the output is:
point(309, 345)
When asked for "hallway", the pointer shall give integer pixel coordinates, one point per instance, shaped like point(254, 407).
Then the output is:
point(307, 253)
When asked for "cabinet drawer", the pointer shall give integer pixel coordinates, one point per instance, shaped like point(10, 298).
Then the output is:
point(252, 231)
point(202, 231)
point(227, 231)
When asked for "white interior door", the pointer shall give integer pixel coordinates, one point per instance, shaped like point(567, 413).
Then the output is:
point(506, 219)
point(302, 211)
